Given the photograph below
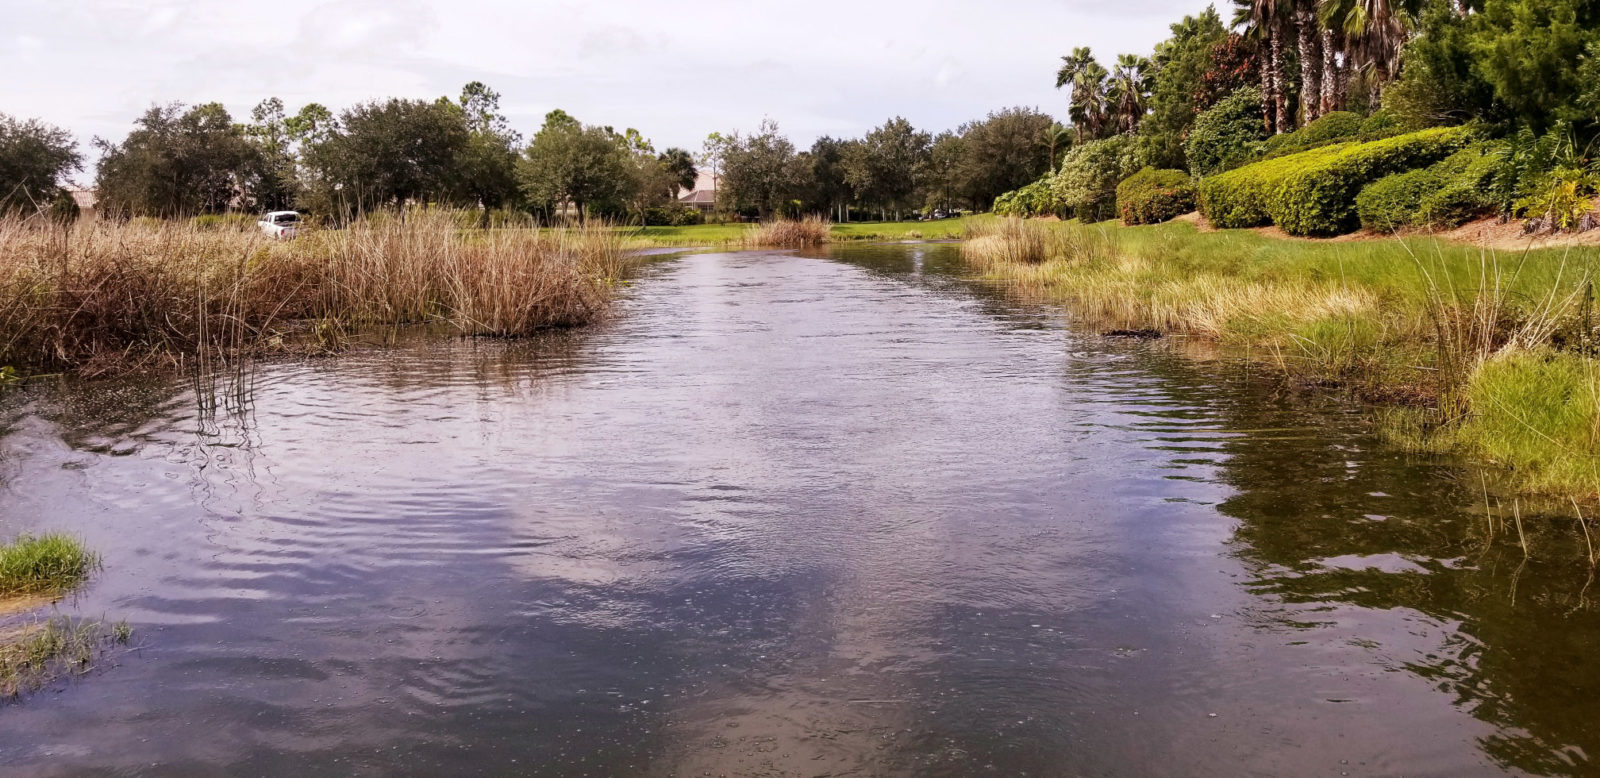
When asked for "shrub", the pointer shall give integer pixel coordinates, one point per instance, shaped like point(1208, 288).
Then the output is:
point(1152, 196)
point(672, 215)
point(1086, 184)
point(789, 233)
point(1035, 199)
point(1445, 195)
point(1318, 196)
point(1465, 191)
point(1334, 127)
point(1227, 134)
point(1381, 124)
point(1242, 198)
point(1396, 201)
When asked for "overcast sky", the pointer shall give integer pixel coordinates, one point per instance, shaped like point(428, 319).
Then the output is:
point(675, 70)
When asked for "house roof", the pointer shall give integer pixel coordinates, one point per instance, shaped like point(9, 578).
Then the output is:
point(699, 196)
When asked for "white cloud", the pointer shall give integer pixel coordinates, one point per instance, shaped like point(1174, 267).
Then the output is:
point(674, 70)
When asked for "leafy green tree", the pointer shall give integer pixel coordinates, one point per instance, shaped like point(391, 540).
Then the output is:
point(390, 153)
point(941, 174)
point(178, 163)
point(487, 171)
point(886, 165)
point(1181, 64)
point(1227, 134)
point(34, 157)
point(277, 183)
point(1089, 175)
point(1440, 83)
point(1005, 151)
point(568, 162)
point(1532, 52)
point(829, 191)
point(760, 171)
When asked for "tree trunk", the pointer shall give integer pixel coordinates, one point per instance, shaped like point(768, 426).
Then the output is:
point(1310, 61)
point(1280, 96)
point(1268, 116)
point(1330, 73)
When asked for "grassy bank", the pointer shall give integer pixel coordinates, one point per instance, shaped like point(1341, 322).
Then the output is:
point(1486, 353)
point(101, 296)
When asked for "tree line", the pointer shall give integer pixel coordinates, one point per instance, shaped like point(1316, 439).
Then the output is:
point(182, 161)
point(1281, 75)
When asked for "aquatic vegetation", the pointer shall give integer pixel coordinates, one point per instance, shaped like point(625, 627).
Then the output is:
point(788, 233)
point(37, 653)
point(102, 296)
point(39, 564)
point(1494, 354)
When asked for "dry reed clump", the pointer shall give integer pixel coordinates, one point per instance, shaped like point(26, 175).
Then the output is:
point(100, 296)
point(788, 233)
point(1003, 244)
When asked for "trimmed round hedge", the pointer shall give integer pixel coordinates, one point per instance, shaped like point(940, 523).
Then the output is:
point(1314, 192)
point(1446, 194)
point(1226, 134)
point(1332, 128)
point(1153, 196)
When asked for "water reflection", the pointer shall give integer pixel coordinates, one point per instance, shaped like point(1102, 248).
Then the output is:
point(784, 515)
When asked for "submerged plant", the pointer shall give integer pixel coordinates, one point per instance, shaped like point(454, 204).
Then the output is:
point(35, 654)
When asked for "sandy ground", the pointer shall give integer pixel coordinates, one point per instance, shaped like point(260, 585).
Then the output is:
point(1489, 233)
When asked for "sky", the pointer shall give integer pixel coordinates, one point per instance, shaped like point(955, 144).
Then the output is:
point(676, 71)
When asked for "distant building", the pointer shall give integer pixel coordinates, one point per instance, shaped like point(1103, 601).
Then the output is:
point(84, 197)
point(703, 197)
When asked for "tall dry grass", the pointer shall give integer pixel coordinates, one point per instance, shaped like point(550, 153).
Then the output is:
point(788, 233)
point(102, 296)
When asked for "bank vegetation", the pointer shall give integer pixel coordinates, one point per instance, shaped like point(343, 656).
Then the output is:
point(100, 295)
point(1486, 353)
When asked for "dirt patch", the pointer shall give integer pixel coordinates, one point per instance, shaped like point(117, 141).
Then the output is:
point(1198, 220)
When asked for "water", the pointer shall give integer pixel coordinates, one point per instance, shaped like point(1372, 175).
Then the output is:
point(785, 515)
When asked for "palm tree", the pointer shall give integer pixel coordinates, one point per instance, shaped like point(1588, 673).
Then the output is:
point(1129, 91)
point(1088, 80)
point(1309, 35)
point(1059, 138)
point(1264, 20)
point(1375, 33)
point(679, 164)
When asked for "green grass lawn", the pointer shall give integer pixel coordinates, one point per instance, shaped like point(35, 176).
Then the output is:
point(712, 234)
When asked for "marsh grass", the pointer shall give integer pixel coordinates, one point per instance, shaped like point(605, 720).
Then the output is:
point(41, 564)
point(788, 233)
point(34, 654)
point(1477, 352)
point(101, 296)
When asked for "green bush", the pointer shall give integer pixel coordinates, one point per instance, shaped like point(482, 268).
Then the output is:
point(1035, 199)
point(1334, 127)
point(1153, 196)
point(1319, 197)
point(1086, 184)
point(1227, 134)
point(1242, 198)
point(1381, 124)
point(1466, 190)
point(1396, 201)
point(672, 215)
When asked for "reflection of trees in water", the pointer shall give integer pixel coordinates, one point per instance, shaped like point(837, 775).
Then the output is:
point(1329, 517)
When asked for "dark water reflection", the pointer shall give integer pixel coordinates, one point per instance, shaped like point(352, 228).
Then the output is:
point(786, 516)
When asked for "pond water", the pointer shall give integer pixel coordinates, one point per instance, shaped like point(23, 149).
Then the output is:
point(782, 515)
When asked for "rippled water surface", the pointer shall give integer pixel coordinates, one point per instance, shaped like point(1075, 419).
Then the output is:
point(783, 515)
